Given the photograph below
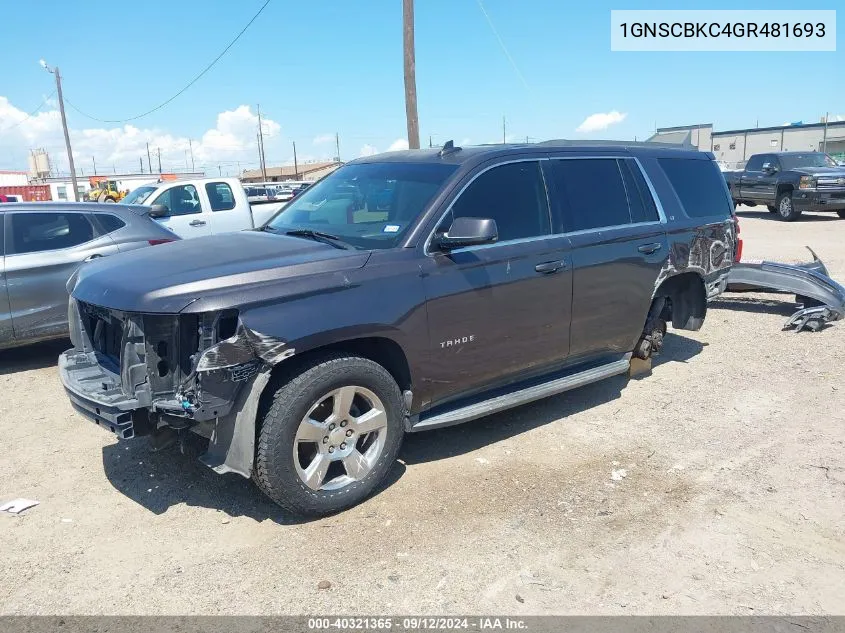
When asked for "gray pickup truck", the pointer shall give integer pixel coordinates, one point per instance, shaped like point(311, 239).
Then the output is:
point(789, 183)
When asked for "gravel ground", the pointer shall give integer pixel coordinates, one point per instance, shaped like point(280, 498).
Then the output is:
point(727, 496)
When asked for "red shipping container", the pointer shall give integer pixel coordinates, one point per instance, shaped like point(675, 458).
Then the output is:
point(30, 193)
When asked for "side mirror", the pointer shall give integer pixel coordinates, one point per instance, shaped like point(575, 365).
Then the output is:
point(769, 168)
point(159, 211)
point(468, 232)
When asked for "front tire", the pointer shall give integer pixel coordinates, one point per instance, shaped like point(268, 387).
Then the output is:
point(841, 213)
point(330, 435)
point(772, 209)
point(786, 210)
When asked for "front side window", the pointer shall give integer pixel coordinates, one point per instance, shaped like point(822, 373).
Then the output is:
point(592, 193)
point(37, 232)
point(513, 195)
point(220, 196)
point(367, 205)
point(181, 200)
point(700, 186)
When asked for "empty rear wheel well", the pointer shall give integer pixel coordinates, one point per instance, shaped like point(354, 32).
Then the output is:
point(686, 301)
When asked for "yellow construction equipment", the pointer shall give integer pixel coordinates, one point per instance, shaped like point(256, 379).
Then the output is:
point(105, 190)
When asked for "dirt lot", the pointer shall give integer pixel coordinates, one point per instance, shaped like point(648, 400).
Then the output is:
point(733, 499)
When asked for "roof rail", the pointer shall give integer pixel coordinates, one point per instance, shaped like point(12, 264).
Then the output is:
point(597, 143)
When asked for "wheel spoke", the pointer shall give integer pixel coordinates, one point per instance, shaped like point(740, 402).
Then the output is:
point(342, 402)
point(372, 420)
point(316, 471)
point(310, 430)
point(356, 466)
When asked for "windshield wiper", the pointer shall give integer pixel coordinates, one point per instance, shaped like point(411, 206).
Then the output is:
point(319, 236)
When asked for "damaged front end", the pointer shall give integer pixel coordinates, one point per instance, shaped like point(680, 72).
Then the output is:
point(161, 374)
point(822, 298)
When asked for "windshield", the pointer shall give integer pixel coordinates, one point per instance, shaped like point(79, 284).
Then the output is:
point(810, 159)
point(369, 205)
point(137, 196)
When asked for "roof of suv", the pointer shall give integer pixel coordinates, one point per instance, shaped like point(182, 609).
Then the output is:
point(85, 207)
point(478, 153)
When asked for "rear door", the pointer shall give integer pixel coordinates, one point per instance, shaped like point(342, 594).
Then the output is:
point(42, 252)
point(751, 187)
point(499, 310)
point(226, 215)
point(618, 242)
point(185, 213)
point(6, 331)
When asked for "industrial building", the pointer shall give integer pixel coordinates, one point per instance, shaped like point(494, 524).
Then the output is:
point(734, 147)
point(303, 171)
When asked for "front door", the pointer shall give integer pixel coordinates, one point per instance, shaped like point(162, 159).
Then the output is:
point(498, 311)
point(185, 214)
point(43, 251)
point(6, 332)
point(619, 245)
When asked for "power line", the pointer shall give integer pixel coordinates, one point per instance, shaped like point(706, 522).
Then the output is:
point(502, 44)
point(30, 115)
point(191, 83)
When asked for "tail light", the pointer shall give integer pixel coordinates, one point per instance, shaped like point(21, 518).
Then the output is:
point(738, 249)
point(161, 241)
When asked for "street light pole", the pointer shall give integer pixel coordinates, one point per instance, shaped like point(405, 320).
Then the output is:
point(55, 71)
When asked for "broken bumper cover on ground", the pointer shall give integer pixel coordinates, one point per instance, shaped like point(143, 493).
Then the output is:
point(823, 298)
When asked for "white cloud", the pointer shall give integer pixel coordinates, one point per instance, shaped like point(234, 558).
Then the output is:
point(322, 139)
point(368, 150)
point(398, 145)
point(232, 139)
point(601, 121)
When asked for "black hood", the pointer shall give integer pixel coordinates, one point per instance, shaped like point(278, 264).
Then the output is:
point(169, 277)
point(825, 172)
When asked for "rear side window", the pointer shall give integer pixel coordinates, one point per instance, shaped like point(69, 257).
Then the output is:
point(755, 163)
point(640, 201)
point(592, 193)
point(37, 232)
point(700, 186)
point(220, 196)
point(514, 195)
point(109, 222)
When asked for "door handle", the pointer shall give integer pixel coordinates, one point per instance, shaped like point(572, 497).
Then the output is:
point(197, 223)
point(648, 249)
point(92, 257)
point(547, 268)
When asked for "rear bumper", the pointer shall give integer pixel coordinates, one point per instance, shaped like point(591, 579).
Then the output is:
point(96, 394)
point(818, 200)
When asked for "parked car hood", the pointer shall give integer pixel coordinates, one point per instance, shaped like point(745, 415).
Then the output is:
point(833, 172)
point(169, 277)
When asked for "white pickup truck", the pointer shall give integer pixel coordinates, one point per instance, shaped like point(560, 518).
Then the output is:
point(202, 206)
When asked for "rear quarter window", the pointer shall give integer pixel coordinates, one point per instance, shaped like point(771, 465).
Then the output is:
point(699, 186)
point(108, 222)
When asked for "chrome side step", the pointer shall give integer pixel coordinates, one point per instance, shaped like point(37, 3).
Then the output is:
point(523, 396)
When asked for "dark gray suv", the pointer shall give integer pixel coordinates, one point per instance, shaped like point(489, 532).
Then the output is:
point(403, 292)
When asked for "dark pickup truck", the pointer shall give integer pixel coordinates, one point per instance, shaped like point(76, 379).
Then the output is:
point(789, 183)
point(401, 293)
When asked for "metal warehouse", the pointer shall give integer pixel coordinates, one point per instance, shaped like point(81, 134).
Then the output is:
point(734, 147)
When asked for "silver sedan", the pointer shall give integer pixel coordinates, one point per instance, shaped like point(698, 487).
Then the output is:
point(43, 243)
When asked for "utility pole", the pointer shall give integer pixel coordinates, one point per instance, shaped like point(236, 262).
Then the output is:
point(504, 131)
point(337, 145)
point(149, 162)
point(261, 146)
point(55, 71)
point(429, 141)
point(295, 164)
point(191, 147)
point(94, 162)
point(141, 161)
point(219, 169)
point(158, 151)
point(410, 74)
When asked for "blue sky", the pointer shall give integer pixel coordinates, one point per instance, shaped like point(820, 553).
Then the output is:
point(323, 66)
